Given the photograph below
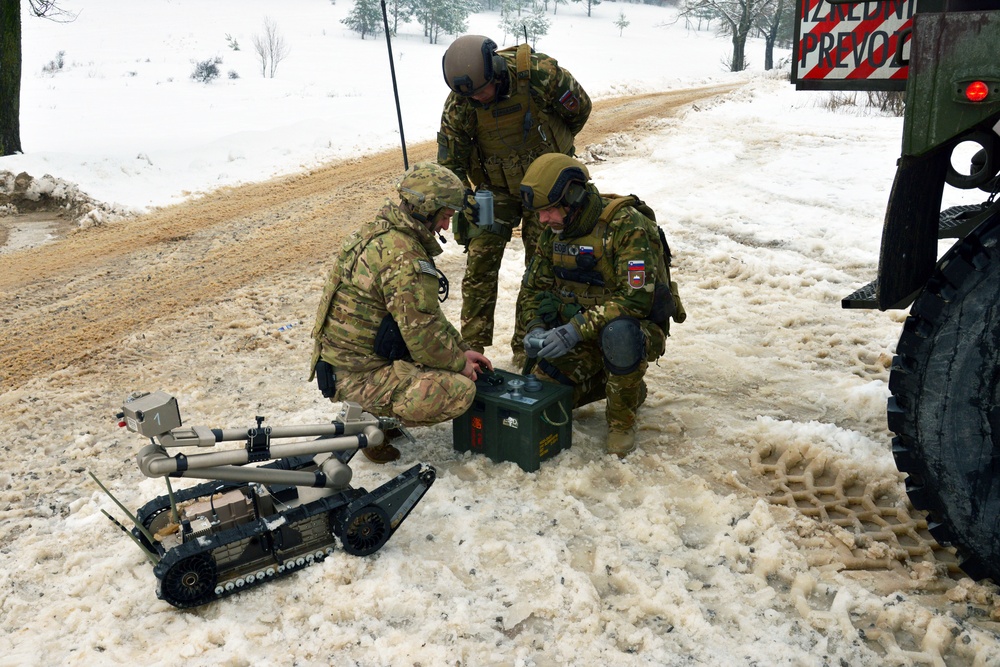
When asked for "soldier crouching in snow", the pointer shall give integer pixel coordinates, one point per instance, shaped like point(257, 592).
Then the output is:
point(597, 296)
point(381, 337)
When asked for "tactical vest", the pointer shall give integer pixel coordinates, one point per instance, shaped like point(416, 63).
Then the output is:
point(347, 259)
point(585, 275)
point(513, 132)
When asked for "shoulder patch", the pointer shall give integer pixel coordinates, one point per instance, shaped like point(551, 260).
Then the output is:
point(636, 273)
point(570, 101)
point(427, 267)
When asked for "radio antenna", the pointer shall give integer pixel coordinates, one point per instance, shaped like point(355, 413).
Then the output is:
point(395, 90)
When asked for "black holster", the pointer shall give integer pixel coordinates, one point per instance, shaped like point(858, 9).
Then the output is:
point(326, 378)
point(389, 343)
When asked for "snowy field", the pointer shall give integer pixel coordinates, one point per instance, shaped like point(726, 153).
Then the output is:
point(691, 552)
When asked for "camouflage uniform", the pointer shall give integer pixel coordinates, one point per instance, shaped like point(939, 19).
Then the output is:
point(491, 146)
point(386, 267)
point(617, 270)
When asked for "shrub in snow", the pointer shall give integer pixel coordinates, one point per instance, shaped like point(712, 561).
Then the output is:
point(206, 70)
point(55, 65)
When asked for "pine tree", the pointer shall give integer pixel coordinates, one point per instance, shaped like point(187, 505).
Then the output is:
point(622, 23)
point(447, 16)
point(365, 18)
point(590, 4)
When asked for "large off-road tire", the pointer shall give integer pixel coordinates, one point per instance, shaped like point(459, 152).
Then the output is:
point(945, 404)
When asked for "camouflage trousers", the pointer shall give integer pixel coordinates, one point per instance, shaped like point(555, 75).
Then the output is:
point(482, 273)
point(417, 395)
point(583, 367)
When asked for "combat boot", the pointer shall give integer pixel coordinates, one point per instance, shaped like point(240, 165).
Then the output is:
point(621, 443)
point(385, 452)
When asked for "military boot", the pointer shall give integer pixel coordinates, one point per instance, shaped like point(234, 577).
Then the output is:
point(385, 452)
point(621, 443)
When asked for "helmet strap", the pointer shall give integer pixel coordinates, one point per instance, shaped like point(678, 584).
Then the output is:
point(405, 205)
point(582, 215)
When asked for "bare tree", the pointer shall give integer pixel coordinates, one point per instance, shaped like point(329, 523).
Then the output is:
point(738, 18)
point(774, 24)
point(10, 65)
point(270, 47)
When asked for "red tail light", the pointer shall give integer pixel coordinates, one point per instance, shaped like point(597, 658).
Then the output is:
point(976, 91)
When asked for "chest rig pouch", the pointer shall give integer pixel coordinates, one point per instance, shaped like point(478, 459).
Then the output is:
point(514, 131)
point(582, 267)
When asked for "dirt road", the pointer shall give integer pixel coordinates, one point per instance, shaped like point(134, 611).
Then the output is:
point(63, 301)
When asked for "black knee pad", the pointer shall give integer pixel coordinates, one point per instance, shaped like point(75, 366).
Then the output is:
point(623, 344)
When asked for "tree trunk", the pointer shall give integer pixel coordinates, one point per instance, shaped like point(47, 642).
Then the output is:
point(739, 52)
point(741, 29)
point(10, 77)
point(772, 36)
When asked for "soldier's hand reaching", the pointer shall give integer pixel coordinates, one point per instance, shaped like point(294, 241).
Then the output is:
point(475, 362)
point(534, 341)
point(559, 341)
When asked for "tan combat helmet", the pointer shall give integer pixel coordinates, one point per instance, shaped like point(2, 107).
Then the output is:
point(554, 179)
point(471, 63)
point(427, 188)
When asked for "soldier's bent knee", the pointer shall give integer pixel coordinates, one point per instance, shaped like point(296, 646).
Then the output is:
point(623, 345)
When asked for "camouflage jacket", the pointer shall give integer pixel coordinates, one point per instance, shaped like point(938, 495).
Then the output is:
point(386, 267)
point(630, 265)
point(553, 90)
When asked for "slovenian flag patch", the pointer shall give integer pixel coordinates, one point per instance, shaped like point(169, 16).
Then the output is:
point(636, 273)
point(570, 101)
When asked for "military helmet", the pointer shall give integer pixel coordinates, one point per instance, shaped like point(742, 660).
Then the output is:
point(427, 188)
point(554, 179)
point(471, 63)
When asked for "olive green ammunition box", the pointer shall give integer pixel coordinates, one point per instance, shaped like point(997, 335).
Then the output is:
point(516, 418)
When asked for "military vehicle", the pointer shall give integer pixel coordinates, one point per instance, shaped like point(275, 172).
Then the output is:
point(945, 378)
point(252, 524)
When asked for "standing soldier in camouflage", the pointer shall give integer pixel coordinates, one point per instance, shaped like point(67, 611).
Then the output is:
point(597, 295)
point(506, 108)
point(381, 338)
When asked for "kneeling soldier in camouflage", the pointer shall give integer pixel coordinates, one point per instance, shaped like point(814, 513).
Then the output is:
point(381, 338)
point(597, 295)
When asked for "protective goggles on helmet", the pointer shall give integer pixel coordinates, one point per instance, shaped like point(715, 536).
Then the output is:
point(537, 201)
point(463, 83)
point(561, 192)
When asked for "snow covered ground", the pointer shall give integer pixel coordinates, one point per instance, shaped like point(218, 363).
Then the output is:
point(773, 206)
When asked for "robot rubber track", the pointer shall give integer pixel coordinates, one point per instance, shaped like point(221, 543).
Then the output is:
point(250, 524)
point(264, 548)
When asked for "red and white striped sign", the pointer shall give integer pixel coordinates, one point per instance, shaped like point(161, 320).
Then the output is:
point(852, 46)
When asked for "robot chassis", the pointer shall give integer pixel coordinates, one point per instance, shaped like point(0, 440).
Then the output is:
point(252, 524)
